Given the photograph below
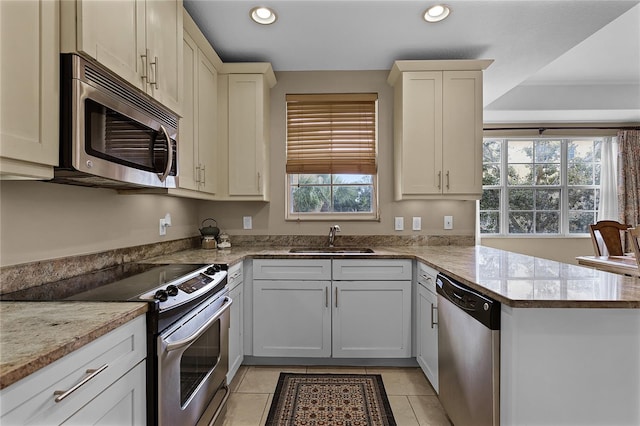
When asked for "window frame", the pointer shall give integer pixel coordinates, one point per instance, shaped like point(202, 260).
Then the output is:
point(563, 186)
point(373, 215)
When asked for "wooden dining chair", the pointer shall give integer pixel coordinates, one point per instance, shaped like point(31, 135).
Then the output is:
point(606, 234)
point(634, 234)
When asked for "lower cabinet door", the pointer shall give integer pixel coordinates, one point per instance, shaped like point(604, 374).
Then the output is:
point(236, 352)
point(427, 333)
point(292, 318)
point(372, 319)
point(123, 403)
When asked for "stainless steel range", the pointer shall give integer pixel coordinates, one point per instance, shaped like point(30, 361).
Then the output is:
point(187, 332)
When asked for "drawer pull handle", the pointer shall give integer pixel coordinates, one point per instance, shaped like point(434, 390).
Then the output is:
point(60, 394)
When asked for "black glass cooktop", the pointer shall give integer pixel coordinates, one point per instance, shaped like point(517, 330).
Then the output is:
point(119, 283)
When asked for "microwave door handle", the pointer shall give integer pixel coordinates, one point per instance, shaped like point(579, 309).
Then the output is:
point(169, 155)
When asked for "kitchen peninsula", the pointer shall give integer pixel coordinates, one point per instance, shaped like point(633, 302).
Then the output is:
point(570, 337)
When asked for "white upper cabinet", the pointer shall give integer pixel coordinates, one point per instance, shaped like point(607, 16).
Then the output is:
point(198, 143)
point(245, 89)
point(164, 51)
point(438, 129)
point(139, 40)
point(30, 81)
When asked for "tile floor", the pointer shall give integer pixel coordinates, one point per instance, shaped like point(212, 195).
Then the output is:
point(413, 400)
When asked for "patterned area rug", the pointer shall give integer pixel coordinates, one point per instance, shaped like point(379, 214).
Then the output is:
point(330, 400)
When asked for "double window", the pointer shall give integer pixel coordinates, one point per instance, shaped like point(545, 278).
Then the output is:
point(539, 186)
point(331, 156)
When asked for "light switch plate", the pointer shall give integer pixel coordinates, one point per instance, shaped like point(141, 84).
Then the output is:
point(448, 222)
point(399, 223)
point(417, 223)
point(246, 222)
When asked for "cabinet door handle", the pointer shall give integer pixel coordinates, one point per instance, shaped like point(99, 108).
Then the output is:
point(447, 179)
point(440, 179)
point(61, 394)
point(433, 308)
point(259, 182)
point(197, 174)
point(336, 297)
point(144, 75)
point(156, 70)
point(204, 175)
point(326, 297)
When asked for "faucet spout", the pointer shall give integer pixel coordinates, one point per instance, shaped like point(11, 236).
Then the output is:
point(332, 234)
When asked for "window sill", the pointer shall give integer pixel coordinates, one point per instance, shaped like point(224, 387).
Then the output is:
point(310, 217)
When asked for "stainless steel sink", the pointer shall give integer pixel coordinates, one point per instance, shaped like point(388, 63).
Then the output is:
point(331, 250)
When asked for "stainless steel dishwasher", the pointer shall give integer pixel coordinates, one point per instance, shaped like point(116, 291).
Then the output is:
point(468, 354)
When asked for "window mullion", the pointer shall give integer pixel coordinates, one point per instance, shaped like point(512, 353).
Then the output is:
point(564, 191)
point(504, 206)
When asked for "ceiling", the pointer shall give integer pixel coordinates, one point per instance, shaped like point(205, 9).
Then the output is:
point(554, 60)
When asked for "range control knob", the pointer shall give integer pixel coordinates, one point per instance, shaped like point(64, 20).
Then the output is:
point(161, 295)
point(172, 290)
point(212, 270)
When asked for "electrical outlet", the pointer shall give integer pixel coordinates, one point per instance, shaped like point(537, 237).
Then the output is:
point(399, 223)
point(246, 222)
point(448, 222)
point(417, 223)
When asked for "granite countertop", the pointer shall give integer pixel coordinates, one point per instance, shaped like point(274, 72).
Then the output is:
point(519, 281)
point(513, 279)
point(35, 334)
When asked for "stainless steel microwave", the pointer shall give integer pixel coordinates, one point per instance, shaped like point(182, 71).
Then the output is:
point(112, 135)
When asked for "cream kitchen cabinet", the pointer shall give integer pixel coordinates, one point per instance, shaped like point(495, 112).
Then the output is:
point(236, 323)
point(109, 379)
point(427, 323)
point(438, 129)
point(244, 112)
point(30, 80)
point(371, 308)
point(198, 146)
point(292, 307)
point(139, 40)
point(314, 308)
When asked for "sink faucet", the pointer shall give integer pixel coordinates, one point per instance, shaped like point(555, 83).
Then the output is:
point(332, 234)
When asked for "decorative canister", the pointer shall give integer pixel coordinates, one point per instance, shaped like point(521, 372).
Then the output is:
point(209, 242)
point(225, 241)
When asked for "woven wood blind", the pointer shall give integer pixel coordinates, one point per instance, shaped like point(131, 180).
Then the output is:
point(329, 133)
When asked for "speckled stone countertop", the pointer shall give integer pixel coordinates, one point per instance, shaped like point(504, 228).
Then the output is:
point(513, 279)
point(35, 334)
point(58, 328)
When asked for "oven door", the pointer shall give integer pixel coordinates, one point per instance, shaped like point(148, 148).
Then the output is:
point(193, 363)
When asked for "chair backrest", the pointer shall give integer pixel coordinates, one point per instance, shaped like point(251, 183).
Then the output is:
point(634, 233)
point(606, 234)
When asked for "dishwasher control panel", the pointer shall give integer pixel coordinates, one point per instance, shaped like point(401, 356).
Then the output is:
point(480, 307)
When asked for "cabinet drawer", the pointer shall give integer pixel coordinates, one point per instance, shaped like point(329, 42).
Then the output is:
point(234, 275)
point(32, 399)
point(427, 277)
point(292, 269)
point(371, 269)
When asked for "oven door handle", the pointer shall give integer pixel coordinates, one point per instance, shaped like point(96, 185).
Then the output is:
point(186, 342)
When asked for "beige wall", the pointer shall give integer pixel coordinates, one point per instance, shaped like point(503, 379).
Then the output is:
point(40, 220)
point(558, 249)
point(268, 218)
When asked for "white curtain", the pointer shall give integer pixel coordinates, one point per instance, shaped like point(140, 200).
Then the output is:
point(608, 207)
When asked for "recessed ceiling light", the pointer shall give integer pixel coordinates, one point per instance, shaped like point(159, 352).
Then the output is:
point(436, 13)
point(263, 15)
